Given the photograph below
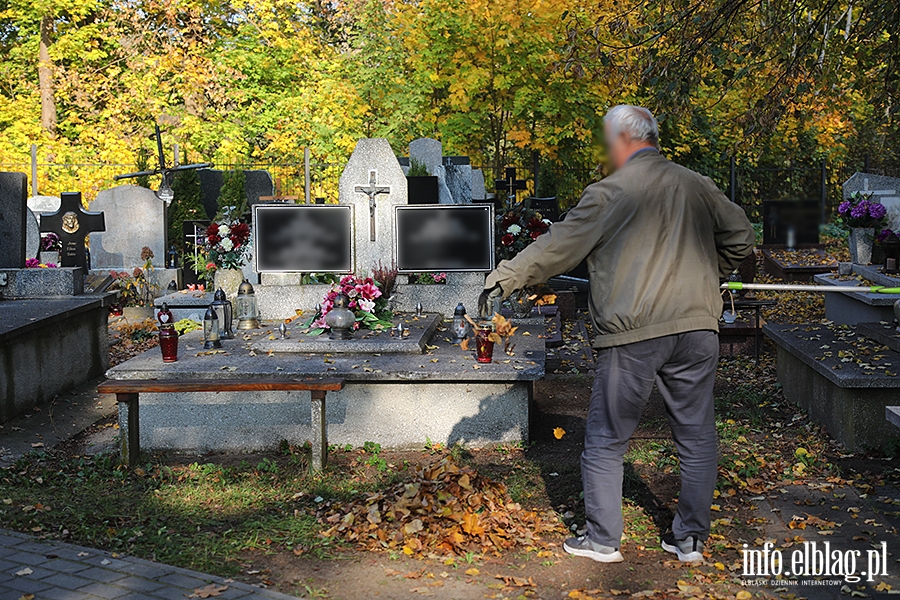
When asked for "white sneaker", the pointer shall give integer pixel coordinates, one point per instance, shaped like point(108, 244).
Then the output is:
point(584, 547)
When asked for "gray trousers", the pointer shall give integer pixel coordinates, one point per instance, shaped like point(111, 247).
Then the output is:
point(683, 367)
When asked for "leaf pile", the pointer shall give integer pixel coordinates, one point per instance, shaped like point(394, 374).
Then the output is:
point(444, 509)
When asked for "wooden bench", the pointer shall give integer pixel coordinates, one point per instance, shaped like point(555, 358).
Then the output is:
point(128, 391)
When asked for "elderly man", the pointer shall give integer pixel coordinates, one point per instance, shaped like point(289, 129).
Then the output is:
point(658, 238)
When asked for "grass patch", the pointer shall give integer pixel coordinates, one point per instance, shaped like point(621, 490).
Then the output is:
point(197, 516)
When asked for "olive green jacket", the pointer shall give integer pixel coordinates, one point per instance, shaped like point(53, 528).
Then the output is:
point(657, 237)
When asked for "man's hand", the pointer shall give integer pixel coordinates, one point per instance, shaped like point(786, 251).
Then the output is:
point(486, 301)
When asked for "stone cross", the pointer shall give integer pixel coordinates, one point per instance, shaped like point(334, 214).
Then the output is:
point(72, 224)
point(372, 190)
point(510, 184)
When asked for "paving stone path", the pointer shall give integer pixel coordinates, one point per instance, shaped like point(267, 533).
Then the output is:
point(57, 571)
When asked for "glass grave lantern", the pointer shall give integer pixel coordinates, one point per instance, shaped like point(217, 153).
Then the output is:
point(168, 337)
point(211, 336)
point(224, 311)
point(245, 307)
point(459, 327)
point(891, 247)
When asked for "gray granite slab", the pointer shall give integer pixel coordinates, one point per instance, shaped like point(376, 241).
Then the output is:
point(445, 362)
point(32, 235)
point(864, 297)
point(881, 332)
point(875, 274)
point(427, 151)
point(420, 329)
point(842, 355)
point(893, 415)
point(18, 317)
point(41, 283)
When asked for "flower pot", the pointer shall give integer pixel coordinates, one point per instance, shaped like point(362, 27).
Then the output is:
point(50, 256)
point(861, 242)
point(137, 314)
point(228, 280)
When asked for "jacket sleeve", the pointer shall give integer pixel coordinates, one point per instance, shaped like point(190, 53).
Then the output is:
point(734, 234)
point(559, 250)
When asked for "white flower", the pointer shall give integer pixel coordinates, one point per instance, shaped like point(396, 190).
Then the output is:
point(514, 229)
point(224, 230)
point(366, 305)
point(548, 221)
point(353, 293)
point(226, 244)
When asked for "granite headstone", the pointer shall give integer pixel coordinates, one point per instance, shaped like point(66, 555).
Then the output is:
point(13, 231)
point(43, 204)
point(459, 182)
point(256, 183)
point(137, 219)
point(478, 190)
point(883, 189)
point(32, 235)
point(373, 155)
point(428, 152)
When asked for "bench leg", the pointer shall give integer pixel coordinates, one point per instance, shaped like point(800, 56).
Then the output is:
point(319, 433)
point(131, 443)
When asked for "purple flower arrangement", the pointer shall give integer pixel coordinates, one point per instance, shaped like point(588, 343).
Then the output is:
point(860, 212)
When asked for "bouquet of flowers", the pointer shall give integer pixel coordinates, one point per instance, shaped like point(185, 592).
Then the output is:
point(366, 301)
point(429, 278)
point(518, 227)
point(34, 263)
point(226, 244)
point(860, 212)
point(885, 234)
point(50, 242)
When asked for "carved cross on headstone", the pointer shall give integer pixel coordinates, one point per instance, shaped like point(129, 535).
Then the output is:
point(510, 184)
point(372, 190)
point(72, 224)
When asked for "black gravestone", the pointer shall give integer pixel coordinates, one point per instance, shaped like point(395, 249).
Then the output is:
point(791, 222)
point(72, 224)
point(444, 238)
point(256, 183)
point(299, 238)
point(13, 204)
point(422, 190)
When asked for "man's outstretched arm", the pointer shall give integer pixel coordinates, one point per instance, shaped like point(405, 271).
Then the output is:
point(559, 250)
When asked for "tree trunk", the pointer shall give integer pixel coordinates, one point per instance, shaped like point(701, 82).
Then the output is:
point(45, 77)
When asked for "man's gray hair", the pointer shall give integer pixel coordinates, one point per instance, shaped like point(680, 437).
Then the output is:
point(636, 121)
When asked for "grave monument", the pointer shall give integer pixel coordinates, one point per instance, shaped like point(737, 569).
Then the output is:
point(404, 384)
point(52, 336)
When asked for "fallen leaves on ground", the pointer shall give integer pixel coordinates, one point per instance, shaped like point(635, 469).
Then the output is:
point(444, 508)
point(210, 591)
point(559, 432)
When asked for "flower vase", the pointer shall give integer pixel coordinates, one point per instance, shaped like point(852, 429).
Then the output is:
point(862, 240)
point(229, 280)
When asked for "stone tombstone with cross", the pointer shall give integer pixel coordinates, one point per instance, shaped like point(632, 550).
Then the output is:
point(373, 183)
point(137, 219)
point(883, 189)
point(72, 224)
point(13, 220)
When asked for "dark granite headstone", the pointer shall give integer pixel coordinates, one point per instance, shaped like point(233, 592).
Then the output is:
point(780, 217)
point(256, 183)
point(13, 204)
point(72, 224)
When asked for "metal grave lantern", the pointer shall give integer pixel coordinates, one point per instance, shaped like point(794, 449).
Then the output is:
point(224, 311)
point(341, 319)
point(211, 337)
point(245, 307)
point(891, 247)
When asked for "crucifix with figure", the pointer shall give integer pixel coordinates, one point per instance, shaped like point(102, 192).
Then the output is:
point(72, 224)
point(372, 190)
point(510, 184)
